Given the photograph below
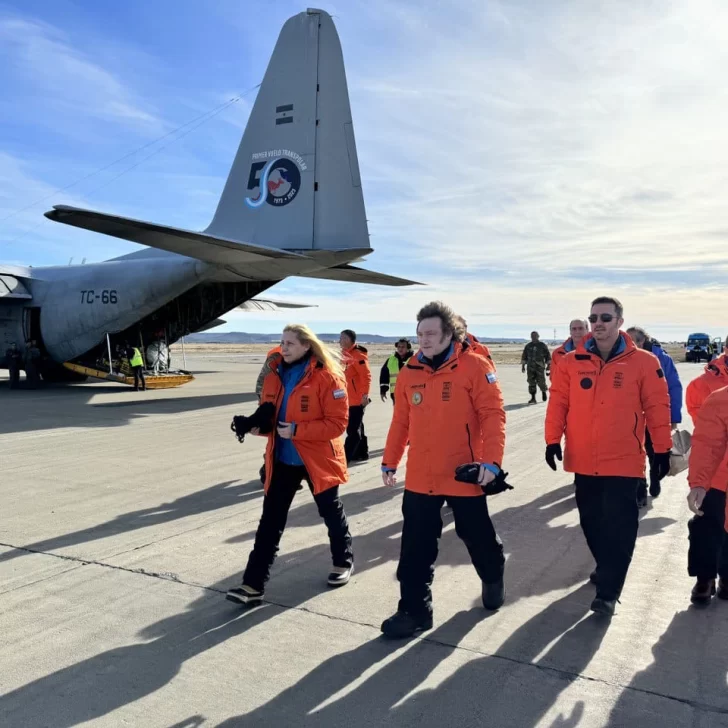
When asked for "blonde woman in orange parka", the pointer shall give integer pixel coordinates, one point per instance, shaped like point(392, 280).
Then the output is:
point(306, 386)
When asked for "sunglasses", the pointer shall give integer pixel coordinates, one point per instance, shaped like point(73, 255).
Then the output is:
point(605, 317)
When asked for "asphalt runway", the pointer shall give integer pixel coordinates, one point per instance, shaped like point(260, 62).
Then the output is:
point(126, 515)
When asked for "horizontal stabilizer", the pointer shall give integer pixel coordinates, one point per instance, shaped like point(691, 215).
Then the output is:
point(219, 251)
point(267, 304)
point(352, 274)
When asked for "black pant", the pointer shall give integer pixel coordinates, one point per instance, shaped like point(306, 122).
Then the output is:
point(14, 378)
point(139, 377)
point(708, 552)
point(356, 445)
point(276, 503)
point(32, 379)
point(654, 476)
point(421, 533)
point(609, 518)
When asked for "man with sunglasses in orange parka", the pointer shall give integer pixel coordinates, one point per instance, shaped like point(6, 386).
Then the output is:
point(602, 396)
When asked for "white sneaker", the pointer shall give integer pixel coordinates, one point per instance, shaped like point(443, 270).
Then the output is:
point(340, 575)
point(244, 595)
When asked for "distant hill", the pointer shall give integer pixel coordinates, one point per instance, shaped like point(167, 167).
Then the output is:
point(240, 337)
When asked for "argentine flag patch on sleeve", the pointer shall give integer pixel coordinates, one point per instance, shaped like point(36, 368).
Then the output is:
point(339, 394)
point(491, 377)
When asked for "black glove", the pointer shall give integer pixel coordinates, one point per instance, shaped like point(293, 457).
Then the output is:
point(662, 461)
point(553, 453)
point(470, 472)
point(262, 418)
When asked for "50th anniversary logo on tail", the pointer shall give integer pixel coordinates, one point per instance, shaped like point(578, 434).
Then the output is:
point(276, 175)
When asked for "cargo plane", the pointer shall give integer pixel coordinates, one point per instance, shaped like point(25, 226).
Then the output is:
point(292, 206)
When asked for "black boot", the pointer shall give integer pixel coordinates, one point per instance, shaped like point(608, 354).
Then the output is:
point(494, 595)
point(703, 591)
point(604, 606)
point(722, 589)
point(403, 624)
point(655, 488)
point(532, 400)
point(544, 396)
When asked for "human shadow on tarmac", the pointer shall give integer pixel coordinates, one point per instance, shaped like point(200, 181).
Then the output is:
point(95, 687)
point(516, 686)
point(216, 497)
point(541, 557)
point(99, 685)
point(685, 685)
point(71, 408)
point(517, 406)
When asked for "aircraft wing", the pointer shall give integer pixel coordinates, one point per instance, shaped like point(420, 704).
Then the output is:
point(11, 284)
point(219, 251)
point(18, 271)
point(352, 274)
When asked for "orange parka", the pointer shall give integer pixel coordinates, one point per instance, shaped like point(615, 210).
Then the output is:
point(602, 408)
point(320, 411)
point(559, 353)
point(713, 378)
point(450, 416)
point(710, 441)
point(357, 372)
point(479, 348)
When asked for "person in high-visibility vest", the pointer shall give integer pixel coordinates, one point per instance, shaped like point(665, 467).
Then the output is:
point(136, 362)
point(390, 369)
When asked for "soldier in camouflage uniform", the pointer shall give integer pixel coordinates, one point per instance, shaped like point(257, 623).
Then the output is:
point(536, 362)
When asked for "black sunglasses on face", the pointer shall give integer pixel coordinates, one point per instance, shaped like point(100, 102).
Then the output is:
point(605, 317)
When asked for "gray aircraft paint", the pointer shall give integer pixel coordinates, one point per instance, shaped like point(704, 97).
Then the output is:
point(306, 77)
point(313, 233)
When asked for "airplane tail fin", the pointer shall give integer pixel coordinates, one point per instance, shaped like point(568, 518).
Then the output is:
point(295, 181)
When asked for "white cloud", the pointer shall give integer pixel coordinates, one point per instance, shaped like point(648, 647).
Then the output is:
point(45, 58)
point(521, 157)
point(548, 136)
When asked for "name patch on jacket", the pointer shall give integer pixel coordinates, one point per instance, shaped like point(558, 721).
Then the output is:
point(339, 394)
point(492, 377)
point(446, 391)
point(304, 403)
point(618, 380)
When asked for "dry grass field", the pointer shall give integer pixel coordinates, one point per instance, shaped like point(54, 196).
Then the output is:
point(502, 353)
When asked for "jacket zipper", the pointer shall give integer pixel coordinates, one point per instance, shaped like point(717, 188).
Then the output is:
point(634, 432)
point(305, 376)
point(470, 447)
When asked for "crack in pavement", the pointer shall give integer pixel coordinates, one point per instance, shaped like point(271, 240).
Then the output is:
point(559, 672)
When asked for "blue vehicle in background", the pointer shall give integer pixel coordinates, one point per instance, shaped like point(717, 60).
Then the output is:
point(698, 347)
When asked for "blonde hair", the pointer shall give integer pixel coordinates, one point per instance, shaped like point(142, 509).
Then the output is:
point(330, 359)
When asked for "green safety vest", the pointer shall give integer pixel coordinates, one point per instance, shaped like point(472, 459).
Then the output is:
point(393, 366)
point(136, 360)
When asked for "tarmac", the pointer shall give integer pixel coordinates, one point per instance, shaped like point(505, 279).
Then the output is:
point(127, 515)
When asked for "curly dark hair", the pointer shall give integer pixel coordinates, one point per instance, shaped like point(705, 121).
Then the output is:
point(451, 322)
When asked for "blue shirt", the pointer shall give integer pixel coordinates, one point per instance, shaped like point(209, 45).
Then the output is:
point(291, 375)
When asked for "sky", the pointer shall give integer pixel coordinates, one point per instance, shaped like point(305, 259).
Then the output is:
point(519, 157)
